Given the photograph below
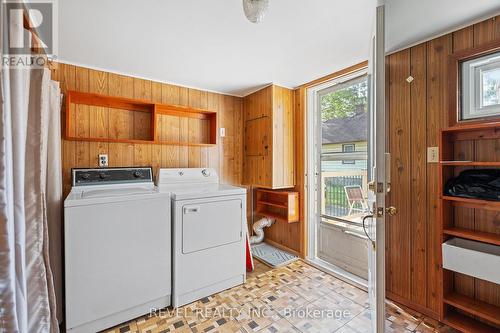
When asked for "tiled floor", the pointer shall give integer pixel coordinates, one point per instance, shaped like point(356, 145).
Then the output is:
point(295, 298)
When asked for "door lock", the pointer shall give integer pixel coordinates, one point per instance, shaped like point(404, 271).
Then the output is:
point(391, 211)
point(376, 187)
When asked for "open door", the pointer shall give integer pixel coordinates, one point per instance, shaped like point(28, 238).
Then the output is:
point(374, 224)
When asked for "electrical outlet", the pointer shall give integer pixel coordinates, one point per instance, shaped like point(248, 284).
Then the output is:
point(432, 154)
point(103, 160)
point(222, 131)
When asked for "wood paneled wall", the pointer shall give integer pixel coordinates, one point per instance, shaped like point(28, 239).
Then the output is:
point(225, 157)
point(417, 111)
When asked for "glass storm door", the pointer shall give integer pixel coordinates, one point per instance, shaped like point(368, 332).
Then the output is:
point(374, 224)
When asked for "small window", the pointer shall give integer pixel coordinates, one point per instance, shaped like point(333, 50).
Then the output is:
point(348, 148)
point(480, 87)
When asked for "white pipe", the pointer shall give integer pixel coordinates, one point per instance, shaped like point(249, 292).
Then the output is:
point(258, 228)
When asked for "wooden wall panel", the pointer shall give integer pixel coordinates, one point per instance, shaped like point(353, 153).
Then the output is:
point(418, 174)
point(226, 157)
point(428, 112)
point(438, 51)
point(397, 230)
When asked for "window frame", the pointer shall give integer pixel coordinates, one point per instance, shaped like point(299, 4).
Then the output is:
point(455, 82)
point(344, 145)
point(471, 74)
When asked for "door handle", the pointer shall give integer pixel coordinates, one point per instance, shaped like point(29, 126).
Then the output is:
point(190, 210)
point(369, 216)
point(391, 211)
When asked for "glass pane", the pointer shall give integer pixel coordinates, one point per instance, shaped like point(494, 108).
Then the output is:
point(344, 153)
point(490, 87)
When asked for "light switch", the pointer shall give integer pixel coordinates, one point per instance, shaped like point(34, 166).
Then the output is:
point(103, 160)
point(432, 154)
point(222, 132)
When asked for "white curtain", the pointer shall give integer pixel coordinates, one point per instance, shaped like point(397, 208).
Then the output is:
point(30, 199)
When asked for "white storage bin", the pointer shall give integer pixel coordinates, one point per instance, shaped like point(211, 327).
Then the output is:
point(472, 258)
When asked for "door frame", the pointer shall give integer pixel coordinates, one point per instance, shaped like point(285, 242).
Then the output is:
point(382, 172)
point(312, 165)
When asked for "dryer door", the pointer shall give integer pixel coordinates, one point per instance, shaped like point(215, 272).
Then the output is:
point(209, 224)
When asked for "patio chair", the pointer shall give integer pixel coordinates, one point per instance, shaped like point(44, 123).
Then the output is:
point(354, 195)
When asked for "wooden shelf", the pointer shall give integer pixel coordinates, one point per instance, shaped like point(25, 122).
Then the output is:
point(470, 163)
point(157, 142)
point(463, 127)
point(277, 216)
point(485, 237)
point(472, 131)
point(280, 205)
point(475, 307)
point(473, 203)
point(274, 204)
point(467, 324)
point(155, 110)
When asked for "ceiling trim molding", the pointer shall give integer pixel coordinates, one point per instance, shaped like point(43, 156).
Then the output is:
point(142, 77)
point(335, 75)
point(445, 32)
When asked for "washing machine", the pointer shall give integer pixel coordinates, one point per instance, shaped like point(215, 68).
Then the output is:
point(117, 247)
point(209, 233)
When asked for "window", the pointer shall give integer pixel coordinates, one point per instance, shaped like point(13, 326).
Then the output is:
point(480, 87)
point(348, 148)
point(343, 156)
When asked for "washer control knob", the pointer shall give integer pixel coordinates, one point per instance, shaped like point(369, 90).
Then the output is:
point(102, 175)
point(137, 174)
point(205, 172)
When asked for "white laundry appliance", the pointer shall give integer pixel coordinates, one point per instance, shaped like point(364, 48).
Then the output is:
point(209, 233)
point(117, 242)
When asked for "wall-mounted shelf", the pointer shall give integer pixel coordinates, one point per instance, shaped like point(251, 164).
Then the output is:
point(467, 146)
point(467, 324)
point(485, 237)
point(470, 163)
point(473, 203)
point(280, 205)
point(149, 117)
point(477, 308)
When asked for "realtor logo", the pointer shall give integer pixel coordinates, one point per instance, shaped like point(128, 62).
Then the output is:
point(30, 33)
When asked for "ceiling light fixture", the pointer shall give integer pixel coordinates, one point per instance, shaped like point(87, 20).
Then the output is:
point(255, 10)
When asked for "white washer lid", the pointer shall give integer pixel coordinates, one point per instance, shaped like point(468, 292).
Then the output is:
point(186, 192)
point(94, 196)
point(110, 192)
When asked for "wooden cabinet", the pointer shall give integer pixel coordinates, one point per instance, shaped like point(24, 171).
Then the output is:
point(268, 159)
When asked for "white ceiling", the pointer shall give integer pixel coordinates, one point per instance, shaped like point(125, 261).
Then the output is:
point(210, 45)
point(411, 21)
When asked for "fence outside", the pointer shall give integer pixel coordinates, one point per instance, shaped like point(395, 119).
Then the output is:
point(334, 201)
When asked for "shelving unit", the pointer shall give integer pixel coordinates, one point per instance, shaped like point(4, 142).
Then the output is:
point(148, 114)
point(280, 205)
point(462, 147)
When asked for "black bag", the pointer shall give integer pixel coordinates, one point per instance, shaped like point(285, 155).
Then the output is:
point(476, 184)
